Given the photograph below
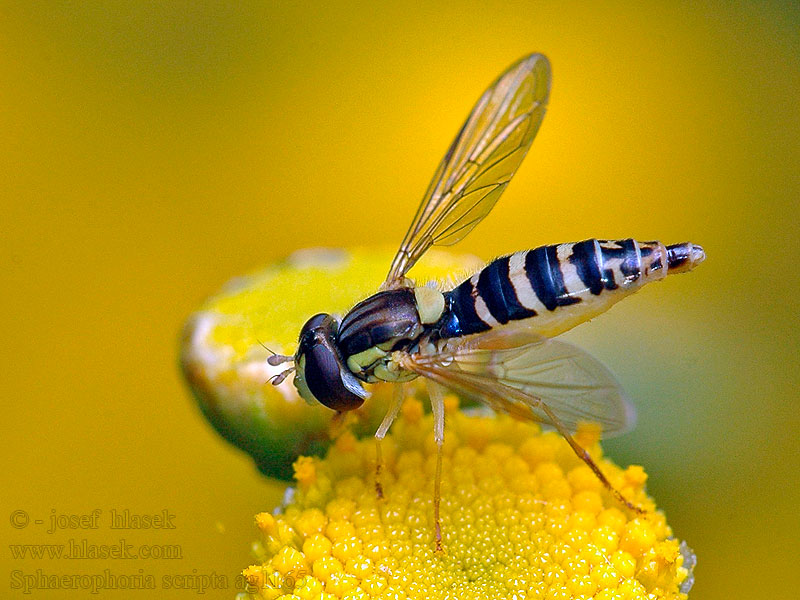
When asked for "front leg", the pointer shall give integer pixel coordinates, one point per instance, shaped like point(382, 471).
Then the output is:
point(394, 408)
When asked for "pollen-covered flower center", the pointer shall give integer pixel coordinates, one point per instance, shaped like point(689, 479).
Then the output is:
point(521, 517)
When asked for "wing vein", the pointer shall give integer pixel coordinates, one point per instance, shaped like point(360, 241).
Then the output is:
point(503, 122)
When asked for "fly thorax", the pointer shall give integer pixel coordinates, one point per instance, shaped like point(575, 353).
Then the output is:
point(380, 364)
point(388, 321)
point(364, 363)
point(384, 322)
point(391, 369)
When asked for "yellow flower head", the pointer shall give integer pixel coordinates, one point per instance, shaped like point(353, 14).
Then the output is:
point(522, 518)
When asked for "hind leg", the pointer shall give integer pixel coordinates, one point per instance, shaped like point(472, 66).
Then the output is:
point(436, 393)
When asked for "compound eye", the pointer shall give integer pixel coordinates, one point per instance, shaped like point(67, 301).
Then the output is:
point(324, 377)
point(321, 372)
point(320, 323)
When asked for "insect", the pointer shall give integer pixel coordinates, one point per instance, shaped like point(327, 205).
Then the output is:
point(490, 337)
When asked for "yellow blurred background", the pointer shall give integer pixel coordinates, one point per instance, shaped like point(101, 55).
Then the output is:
point(149, 152)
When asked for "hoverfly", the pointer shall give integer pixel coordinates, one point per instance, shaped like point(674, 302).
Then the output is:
point(488, 338)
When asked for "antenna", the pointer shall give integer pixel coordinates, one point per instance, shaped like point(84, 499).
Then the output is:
point(276, 359)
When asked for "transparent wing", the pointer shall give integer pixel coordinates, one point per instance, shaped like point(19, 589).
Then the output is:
point(533, 378)
point(480, 162)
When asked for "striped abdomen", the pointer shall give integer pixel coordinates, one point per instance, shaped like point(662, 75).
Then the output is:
point(557, 287)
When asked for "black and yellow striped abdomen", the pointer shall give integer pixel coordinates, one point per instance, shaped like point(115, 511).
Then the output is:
point(558, 286)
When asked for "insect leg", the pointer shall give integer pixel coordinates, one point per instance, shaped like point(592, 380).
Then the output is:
point(583, 454)
point(436, 393)
point(394, 409)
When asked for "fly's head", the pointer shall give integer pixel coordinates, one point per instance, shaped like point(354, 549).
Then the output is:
point(321, 372)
